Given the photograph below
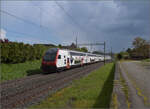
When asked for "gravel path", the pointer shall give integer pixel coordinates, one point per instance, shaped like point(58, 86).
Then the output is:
point(30, 90)
point(137, 77)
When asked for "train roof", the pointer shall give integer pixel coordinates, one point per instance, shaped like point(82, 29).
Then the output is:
point(72, 51)
point(52, 49)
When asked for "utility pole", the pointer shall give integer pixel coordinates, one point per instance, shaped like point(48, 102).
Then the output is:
point(76, 42)
point(111, 53)
point(40, 18)
point(91, 48)
point(104, 52)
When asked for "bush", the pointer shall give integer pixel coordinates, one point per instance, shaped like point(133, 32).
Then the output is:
point(14, 52)
point(119, 56)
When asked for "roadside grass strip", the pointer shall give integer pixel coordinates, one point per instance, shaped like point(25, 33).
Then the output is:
point(15, 71)
point(146, 60)
point(92, 91)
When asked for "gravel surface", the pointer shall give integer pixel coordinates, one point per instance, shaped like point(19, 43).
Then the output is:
point(31, 90)
point(137, 77)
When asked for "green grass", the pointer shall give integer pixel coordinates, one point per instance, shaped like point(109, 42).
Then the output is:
point(14, 71)
point(146, 60)
point(92, 91)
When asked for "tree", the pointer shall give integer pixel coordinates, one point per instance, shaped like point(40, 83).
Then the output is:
point(129, 50)
point(141, 48)
point(119, 56)
point(97, 52)
point(73, 46)
point(84, 49)
point(60, 46)
point(138, 42)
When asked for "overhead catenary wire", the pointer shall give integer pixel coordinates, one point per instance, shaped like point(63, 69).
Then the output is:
point(12, 31)
point(22, 19)
point(68, 14)
point(24, 34)
point(74, 21)
point(61, 7)
point(41, 9)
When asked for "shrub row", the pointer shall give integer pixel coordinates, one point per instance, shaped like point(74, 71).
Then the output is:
point(14, 52)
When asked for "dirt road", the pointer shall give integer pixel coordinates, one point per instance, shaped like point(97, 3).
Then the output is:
point(137, 77)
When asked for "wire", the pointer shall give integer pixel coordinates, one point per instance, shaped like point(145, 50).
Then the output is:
point(61, 7)
point(17, 32)
point(41, 9)
point(74, 21)
point(24, 20)
point(24, 34)
point(19, 18)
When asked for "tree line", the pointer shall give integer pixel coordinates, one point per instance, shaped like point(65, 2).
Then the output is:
point(140, 50)
point(15, 52)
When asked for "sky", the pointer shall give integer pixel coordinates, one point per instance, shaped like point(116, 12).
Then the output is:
point(116, 22)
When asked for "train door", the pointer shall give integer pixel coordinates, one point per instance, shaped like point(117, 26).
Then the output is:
point(82, 59)
point(60, 59)
point(68, 62)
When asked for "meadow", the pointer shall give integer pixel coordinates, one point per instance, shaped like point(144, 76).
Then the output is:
point(19, 70)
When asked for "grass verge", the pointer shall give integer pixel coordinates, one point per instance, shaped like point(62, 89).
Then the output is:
point(146, 60)
point(92, 91)
point(15, 71)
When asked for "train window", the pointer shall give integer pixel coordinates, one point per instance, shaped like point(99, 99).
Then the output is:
point(59, 56)
point(65, 61)
point(71, 59)
point(50, 55)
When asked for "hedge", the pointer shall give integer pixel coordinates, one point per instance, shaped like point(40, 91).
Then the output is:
point(14, 52)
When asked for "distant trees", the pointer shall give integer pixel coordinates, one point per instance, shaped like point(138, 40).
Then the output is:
point(14, 52)
point(119, 56)
point(97, 52)
point(141, 48)
point(138, 42)
point(84, 49)
point(73, 47)
point(4, 41)
point(129, 50)
point(59, 46)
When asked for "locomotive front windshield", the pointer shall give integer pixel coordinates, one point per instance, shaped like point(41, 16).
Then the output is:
point(50, 55)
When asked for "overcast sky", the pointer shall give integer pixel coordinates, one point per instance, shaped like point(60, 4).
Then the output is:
point(115, 22)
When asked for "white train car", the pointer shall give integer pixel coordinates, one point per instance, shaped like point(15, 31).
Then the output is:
point(57, 59)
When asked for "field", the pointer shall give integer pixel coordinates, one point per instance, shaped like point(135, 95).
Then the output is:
point(92, 91)
point(15, 71)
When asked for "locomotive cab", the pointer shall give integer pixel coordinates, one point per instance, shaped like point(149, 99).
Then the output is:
point(49, 60)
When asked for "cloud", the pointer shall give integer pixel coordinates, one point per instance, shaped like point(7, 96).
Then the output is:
point(115, 22)
point(2, 34)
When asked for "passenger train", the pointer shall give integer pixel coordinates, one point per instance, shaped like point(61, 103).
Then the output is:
point(56, 59)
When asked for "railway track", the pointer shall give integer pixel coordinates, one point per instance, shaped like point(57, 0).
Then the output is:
point(27, 91)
